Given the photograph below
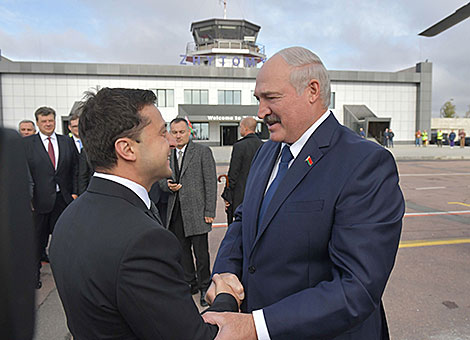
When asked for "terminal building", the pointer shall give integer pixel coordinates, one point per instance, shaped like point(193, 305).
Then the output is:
point(212, 86)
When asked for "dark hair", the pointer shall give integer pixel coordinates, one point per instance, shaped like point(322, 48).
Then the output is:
point(179, 120)
point(107, 116)
point(74, 116)
point(44, 111)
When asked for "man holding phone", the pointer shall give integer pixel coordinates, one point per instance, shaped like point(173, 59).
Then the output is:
point(192, 203)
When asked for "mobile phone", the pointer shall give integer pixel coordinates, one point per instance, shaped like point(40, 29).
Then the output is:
point(171, 181)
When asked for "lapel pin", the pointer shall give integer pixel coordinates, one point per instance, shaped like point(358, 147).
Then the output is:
point(309, 161)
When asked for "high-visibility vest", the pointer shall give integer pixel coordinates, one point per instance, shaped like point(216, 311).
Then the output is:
point(425, 136)
point(439, 135)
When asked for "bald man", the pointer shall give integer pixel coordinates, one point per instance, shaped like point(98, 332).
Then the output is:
point(242, 153)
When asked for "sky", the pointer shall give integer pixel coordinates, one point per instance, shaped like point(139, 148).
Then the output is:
point(372, 35)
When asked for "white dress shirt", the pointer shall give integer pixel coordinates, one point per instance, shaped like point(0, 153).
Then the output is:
point(78, 143)
point(138, 189)
point(55, 145)
point(295, 148)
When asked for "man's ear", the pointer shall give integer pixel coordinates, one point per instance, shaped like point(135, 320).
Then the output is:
point(125, 149)
point(313, 89)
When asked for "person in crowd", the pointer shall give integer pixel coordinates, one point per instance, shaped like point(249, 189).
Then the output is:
point(18, 257)
point(313, 244)
point(117, 269)
point(452, 138)
point(74, 134)
point(391, 134)
point(418, 138)
point(386, 138)
point(243, 152)
point(191, 204)
point(462, 138)
point(53, 165)
point(424, 137)
point(26, 128)
point(362, 133)
point(439, 138)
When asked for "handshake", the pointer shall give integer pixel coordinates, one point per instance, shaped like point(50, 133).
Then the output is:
point(232, 326)
point(225, 283)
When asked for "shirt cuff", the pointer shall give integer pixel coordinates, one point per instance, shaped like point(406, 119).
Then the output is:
point(260, 325)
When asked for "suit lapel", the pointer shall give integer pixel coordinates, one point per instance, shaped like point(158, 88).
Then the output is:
point(61, 142)
point(258, 187)
point(316, 146)
point(187, 157)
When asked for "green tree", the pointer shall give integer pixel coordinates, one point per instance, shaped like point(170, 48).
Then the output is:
point(448, 110)
point(467, 114)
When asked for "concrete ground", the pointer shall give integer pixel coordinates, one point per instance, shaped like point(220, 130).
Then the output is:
point(427, 295)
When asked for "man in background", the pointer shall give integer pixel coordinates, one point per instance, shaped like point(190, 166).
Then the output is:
point(192, 203)
point(53, 165)
point(26, 128)
point(243, 152)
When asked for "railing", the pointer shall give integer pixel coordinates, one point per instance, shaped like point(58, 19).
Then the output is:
point(225, 44)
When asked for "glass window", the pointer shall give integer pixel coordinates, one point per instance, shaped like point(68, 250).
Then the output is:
point(221, 97)
point(254, 101)
point(230, 97)
point(237, 97)
point(332, 101)
point(165, 98)
point(196, 97)
point(187, 97)
point(204, 96)
point(201, 131)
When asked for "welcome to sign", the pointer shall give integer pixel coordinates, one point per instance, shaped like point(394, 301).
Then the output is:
point(211, 59)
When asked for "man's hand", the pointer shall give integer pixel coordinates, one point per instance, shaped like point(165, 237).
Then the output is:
point(208, 219)
point(223, 287)
point(174, 187)
point(232, 281)
point(227, 204)
point(74, 196)
point(232, 326)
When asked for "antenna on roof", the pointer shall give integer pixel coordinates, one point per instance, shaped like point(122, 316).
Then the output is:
point(225, 7)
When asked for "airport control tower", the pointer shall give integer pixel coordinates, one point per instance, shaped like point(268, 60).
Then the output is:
point(225, 43)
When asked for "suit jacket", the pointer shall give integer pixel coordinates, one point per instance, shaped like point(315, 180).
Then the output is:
point(85, 172)
point(325, 248)
point(242, 154)
point(198, 193)
point(17, 256)
point(126, 281)
point(45, 177)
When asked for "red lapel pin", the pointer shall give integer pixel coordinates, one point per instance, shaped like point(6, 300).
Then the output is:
point(309, 161)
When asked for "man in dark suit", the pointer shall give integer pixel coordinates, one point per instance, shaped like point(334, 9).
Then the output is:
point(191, 205)
point(53, 164)
point(243, 152)
point(117, 269)
point(17, 248)
point(315, 240)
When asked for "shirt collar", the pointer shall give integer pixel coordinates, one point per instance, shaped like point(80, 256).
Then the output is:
point(138, 189)
point(44, 137)
point(182, 149)
point(296, 147)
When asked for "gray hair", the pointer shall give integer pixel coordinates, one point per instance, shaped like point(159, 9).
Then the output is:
point(27, 121)
point(307, 66)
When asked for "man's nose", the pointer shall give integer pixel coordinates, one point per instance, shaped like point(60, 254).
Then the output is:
point(263, 110)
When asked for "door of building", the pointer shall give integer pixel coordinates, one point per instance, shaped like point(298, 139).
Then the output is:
point(229, 134)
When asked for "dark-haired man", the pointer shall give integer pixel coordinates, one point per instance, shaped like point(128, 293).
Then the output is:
point(53, 164)
point(117, 269)
point(191, 205)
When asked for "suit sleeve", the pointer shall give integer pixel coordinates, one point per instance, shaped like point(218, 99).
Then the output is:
point(151, 292)
point(209, 174)
point(73, 150)
point(362, 248)
point(84, 172)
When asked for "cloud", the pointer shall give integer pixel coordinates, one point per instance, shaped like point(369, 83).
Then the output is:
point(347, 35)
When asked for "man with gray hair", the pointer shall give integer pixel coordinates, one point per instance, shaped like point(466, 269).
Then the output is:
point(313, 243)
point(26, 128)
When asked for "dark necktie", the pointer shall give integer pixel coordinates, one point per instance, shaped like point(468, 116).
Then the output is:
point(286, 157)
point(50, 151)
point(180, 158)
